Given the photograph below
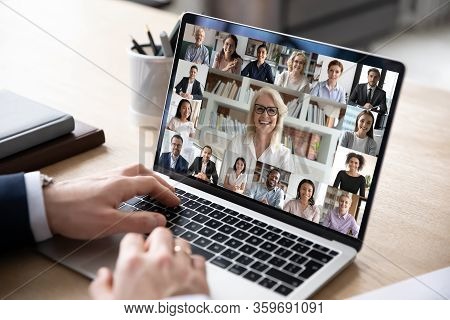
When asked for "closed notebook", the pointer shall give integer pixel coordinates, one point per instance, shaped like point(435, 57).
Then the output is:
point(25, 123)
point(83, 138)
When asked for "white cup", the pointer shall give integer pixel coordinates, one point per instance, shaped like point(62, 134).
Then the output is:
point(149, 80)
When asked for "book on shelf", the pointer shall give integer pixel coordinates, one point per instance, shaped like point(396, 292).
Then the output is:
point(314, 146)
point(226, 90)
point(302, 143)
point(316, 114)
point(233, 90)
point(220, 89)
point(224, 123)
point(214, 90)
point(294, 107)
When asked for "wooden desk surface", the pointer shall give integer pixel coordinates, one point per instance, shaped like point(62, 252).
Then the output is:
point(72, 55)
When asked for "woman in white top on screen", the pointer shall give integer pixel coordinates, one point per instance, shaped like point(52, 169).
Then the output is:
point(236, 178)
point(227, 59)
point(304, 206)
point(294, 78)
point(362, 138)
point(181, 122)
point(264, 130)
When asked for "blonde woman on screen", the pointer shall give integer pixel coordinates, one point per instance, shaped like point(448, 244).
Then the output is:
point(294, 78)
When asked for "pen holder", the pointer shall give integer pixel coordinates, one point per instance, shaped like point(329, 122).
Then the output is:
point(149, 79)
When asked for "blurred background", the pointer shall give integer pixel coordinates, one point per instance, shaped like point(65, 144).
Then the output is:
point(416, 32)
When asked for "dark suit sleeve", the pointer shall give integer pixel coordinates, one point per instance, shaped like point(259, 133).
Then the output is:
point(183, 165)
point(197, 91)
point(353, 99)
point(179, 86)
point(270, 78)
point(163, 161)
point(382, 105)
point(214, 175)
point(245, 72)
point(15, 227)
point(192, 169)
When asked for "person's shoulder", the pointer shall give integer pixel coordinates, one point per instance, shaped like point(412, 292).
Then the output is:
point(347, 134)
point(379, 88)
point(290, 202)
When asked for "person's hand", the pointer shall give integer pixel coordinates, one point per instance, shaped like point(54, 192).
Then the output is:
point(368, 106)
point(87, 208)
point(230, 65)
point(202, 176)
point(156, 268)
point(265, 201)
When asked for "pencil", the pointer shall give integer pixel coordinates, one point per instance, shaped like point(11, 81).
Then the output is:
point(137, 46)
point(152, 42)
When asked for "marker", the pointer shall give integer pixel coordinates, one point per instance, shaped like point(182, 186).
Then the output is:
point(152, 43)
point(137, 46)
point(165, 44)
point(174, 35)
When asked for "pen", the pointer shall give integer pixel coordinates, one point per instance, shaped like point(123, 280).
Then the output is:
point(152, 43)
point(165, 44)
point(137, 46)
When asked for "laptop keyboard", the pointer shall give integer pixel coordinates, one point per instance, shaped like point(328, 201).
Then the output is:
point(275, 259)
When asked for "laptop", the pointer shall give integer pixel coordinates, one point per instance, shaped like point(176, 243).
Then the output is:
point(274, 144)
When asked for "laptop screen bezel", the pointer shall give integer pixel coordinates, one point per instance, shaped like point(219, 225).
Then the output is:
point(310, 46)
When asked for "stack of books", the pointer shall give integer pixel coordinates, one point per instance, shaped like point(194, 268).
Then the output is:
point(33, 135)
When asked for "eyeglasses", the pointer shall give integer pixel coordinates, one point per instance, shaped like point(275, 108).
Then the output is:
point(271, 111)
point(176, 145)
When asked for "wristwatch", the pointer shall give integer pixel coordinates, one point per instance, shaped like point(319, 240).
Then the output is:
point(46, 180)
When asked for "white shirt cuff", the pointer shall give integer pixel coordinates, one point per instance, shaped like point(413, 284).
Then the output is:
point(36, 208)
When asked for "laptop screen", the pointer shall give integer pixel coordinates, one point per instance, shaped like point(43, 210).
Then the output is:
point(297, 125)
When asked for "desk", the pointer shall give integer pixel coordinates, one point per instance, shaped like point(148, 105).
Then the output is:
point(73, 56)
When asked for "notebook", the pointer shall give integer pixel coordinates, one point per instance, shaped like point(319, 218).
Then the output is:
point(84, 137)
point(249, 158)
point(25, 123)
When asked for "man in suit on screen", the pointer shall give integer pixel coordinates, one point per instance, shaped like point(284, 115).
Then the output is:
point(174, 160)
point(371, 97)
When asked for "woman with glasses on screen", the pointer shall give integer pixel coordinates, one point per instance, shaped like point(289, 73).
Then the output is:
point(262, 142)
point(294, 77)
